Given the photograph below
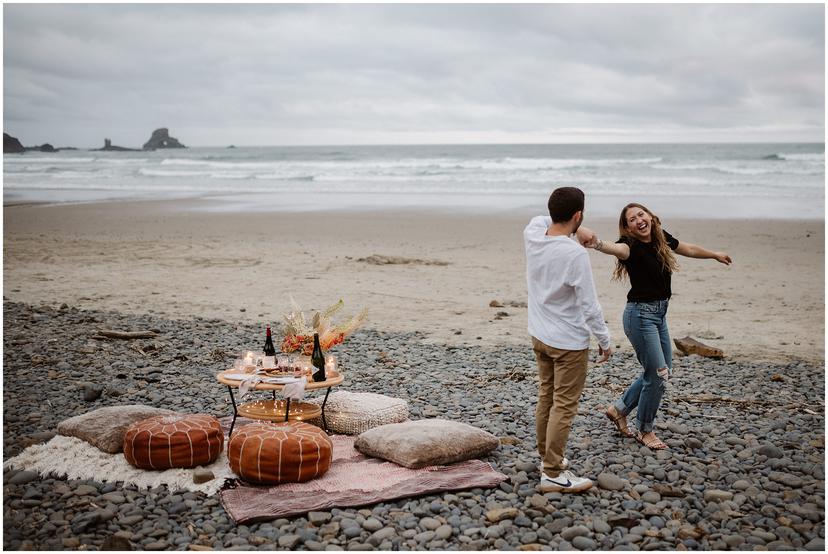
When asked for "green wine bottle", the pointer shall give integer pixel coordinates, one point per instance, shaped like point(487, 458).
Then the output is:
point(318, 360)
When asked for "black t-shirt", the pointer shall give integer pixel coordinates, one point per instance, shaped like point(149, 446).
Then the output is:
point(649, 279)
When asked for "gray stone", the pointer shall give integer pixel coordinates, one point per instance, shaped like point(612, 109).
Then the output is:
point(429, 523)
point(715, 495)
point(319, 518)
point(575, 531)
point(289, 541)
point(202, 475)
point(786, 479)
point(114, 542)
point(372, 524)
point(611, 482)
point(584, 543)
point(817, 544)
point(24, 477)
point(443, 532)
point(770, 451)
point(92, 392)
point(601, 526)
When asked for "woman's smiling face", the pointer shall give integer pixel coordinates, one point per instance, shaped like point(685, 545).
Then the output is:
point(639, 223)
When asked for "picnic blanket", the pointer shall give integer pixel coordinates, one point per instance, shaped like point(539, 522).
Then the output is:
point(353, 480)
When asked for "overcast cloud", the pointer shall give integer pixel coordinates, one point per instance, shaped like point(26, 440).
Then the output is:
point(368, 74)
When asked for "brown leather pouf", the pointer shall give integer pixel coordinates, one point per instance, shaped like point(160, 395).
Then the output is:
point(180, 440)
point(271, 453)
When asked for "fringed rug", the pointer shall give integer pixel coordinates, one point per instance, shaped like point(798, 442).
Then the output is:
point(353, 480)
point(74, 458)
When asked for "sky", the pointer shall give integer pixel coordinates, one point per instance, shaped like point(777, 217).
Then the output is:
point(304, 74)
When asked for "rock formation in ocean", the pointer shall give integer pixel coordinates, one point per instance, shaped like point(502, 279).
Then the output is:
point(46, 148)
point(161, 139)
point(108, 147)
point(11, 145)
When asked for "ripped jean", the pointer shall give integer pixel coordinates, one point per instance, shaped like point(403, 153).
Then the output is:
point(645, 324)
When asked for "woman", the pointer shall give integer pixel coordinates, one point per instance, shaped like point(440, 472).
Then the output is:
point(645, 255)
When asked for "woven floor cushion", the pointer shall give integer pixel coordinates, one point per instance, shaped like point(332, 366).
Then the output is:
point(181, 440)
point(267, 453)
point(352, 413)
point(104, 428)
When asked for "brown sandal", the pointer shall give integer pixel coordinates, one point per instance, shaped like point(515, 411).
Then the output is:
point(653, 444)
point(625, 431)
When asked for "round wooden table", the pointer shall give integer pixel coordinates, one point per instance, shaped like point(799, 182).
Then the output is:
point(280, 410)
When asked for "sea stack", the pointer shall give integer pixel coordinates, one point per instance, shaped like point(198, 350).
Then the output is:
point(11, 145)
point(161, 139)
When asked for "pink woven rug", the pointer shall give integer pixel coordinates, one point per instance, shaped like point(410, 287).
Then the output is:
point(353, 480)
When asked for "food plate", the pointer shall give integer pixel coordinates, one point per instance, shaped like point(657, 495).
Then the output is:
point(279, 380)
point(237, 376)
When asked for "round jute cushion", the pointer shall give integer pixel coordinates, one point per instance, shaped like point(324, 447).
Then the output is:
point(179, 440)
point(271, 453)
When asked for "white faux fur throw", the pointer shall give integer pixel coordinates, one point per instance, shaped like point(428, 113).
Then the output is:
point(77, 459)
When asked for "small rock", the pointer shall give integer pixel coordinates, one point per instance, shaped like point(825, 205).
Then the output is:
point(92, 392)
point(786, 479)
point(715, 495)
point(495, 304)
point(575, 531)
point(770, 451)
point(113, 542)
point(499, 514)
point(24, 477)
point(319, 518)
point(584, 543)
point(202, 475)
point(372, 524)
point(816, 544)
point(289, 541)
point(611, 482)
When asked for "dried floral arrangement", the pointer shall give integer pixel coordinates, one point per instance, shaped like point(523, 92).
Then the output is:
point(299, 335)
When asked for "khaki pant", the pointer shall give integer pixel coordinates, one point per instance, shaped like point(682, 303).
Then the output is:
point(562, 376)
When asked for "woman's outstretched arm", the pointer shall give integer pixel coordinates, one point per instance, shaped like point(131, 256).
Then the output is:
point(589, 239)
point(617, 249)
point(696, 251)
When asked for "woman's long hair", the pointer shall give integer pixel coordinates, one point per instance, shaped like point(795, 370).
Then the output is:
point(663, 251)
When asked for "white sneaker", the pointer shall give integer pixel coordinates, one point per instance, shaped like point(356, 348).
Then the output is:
point(565, 482)
point(564, 464)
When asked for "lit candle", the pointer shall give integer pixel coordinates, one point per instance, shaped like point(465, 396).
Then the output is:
point(330, 363)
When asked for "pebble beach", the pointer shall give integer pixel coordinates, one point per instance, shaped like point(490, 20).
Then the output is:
point(745, 468)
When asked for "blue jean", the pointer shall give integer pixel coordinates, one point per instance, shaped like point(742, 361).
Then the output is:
point(645, 324)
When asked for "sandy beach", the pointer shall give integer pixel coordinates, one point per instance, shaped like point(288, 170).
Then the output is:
point(415, 270)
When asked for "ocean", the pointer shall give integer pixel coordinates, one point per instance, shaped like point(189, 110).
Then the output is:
point(689, 180)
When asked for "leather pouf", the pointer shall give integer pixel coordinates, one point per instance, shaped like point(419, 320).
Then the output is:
point(272, 453)
point(181, 440)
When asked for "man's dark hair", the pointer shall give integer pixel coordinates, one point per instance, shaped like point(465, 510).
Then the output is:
point(564, 202)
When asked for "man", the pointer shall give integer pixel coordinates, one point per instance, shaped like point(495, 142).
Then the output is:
point(563, 312)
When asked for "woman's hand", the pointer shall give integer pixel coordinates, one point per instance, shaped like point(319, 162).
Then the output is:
point(586, 237)
point(722, 258)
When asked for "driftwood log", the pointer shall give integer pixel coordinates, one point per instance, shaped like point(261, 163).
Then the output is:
point(126, 335)
point(689, 346)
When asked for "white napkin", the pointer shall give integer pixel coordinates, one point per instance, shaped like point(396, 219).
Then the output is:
point(295, 391)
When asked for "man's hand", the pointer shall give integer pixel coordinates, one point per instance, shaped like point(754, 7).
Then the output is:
point(723, 258)
point(605, 354)
point(586, 236)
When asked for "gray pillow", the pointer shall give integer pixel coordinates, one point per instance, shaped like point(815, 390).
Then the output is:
point(104, 428)
point(426, 442)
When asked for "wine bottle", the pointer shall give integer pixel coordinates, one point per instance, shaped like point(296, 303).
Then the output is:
point(318, 360)
point(269, 350)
